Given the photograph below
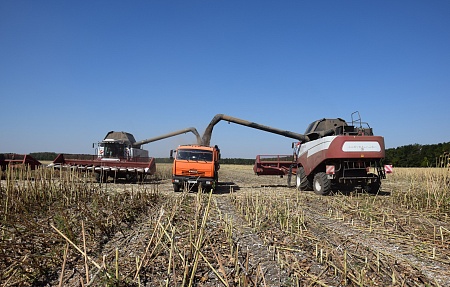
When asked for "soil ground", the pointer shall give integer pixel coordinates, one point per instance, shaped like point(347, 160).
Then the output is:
point(335, 248)
point(259, 232)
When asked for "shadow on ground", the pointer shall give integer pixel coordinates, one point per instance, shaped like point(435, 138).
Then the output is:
point(226, 187)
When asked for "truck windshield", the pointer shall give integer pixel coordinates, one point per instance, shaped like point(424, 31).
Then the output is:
point(193, 154)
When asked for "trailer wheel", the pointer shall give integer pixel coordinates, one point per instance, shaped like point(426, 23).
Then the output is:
point(176, 187)
point(321, 184)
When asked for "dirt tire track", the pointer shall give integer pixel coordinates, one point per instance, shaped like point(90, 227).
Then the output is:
point(249, 241)
point(437, 273)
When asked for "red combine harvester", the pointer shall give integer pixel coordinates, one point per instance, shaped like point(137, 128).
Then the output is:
point(12, 159)
point(333, 155)
point(119, 155)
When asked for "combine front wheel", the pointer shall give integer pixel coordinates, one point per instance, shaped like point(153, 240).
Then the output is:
point(101, 176)
point(321, 184)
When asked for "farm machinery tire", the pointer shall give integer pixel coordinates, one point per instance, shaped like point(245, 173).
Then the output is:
point(302, 181)
point(321, 184)
point(101, 176)
point(375, 185)
point(176, 187)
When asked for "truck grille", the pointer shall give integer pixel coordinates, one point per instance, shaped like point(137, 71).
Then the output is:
point(192, 173)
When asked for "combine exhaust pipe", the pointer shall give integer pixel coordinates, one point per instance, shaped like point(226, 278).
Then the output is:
point(208, 131)
point(192, 129)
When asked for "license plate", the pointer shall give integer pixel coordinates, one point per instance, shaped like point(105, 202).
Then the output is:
point(192, 181)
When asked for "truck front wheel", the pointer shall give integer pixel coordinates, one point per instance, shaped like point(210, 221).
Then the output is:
point(321, 184)
point(176, 187)
point(302, 181)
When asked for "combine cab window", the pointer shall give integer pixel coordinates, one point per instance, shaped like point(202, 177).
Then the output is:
point(192, 154)
point(113, 150)
point(310, 127)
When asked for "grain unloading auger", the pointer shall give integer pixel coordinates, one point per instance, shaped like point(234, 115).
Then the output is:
point(119, 155)
point(332, 154)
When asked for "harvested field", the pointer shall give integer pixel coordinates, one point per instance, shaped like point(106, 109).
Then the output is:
point(63, 229)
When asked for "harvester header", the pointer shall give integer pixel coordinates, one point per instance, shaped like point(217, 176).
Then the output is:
point(118, 155)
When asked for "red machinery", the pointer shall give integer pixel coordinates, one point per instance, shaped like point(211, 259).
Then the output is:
point(332, 154)
point(119, 155)
point(273, 164)
point(12, 159)
point(127, 168)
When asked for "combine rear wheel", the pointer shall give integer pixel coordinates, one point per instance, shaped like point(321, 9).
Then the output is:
point(321, 184)
point(302, 181)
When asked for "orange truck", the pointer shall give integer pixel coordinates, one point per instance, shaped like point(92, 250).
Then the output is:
point(194, 166)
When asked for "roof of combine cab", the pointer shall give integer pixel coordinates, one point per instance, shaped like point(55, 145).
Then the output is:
point(120, 136)
point(324, 124)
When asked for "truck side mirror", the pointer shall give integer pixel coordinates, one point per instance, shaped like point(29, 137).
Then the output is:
point(171, 154)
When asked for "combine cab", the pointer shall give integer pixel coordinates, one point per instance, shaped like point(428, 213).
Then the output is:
point(119, 155)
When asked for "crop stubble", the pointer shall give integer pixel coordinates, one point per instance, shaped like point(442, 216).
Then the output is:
point(253, 231)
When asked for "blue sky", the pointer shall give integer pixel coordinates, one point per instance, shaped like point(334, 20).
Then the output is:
point(70, 71)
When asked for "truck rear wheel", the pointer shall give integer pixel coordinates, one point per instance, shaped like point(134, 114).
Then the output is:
point(302, 181)
point(321, 184)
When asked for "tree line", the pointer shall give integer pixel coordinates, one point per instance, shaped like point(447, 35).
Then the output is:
point(417, 155)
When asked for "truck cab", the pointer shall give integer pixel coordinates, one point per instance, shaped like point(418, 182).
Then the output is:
point(194, 166)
